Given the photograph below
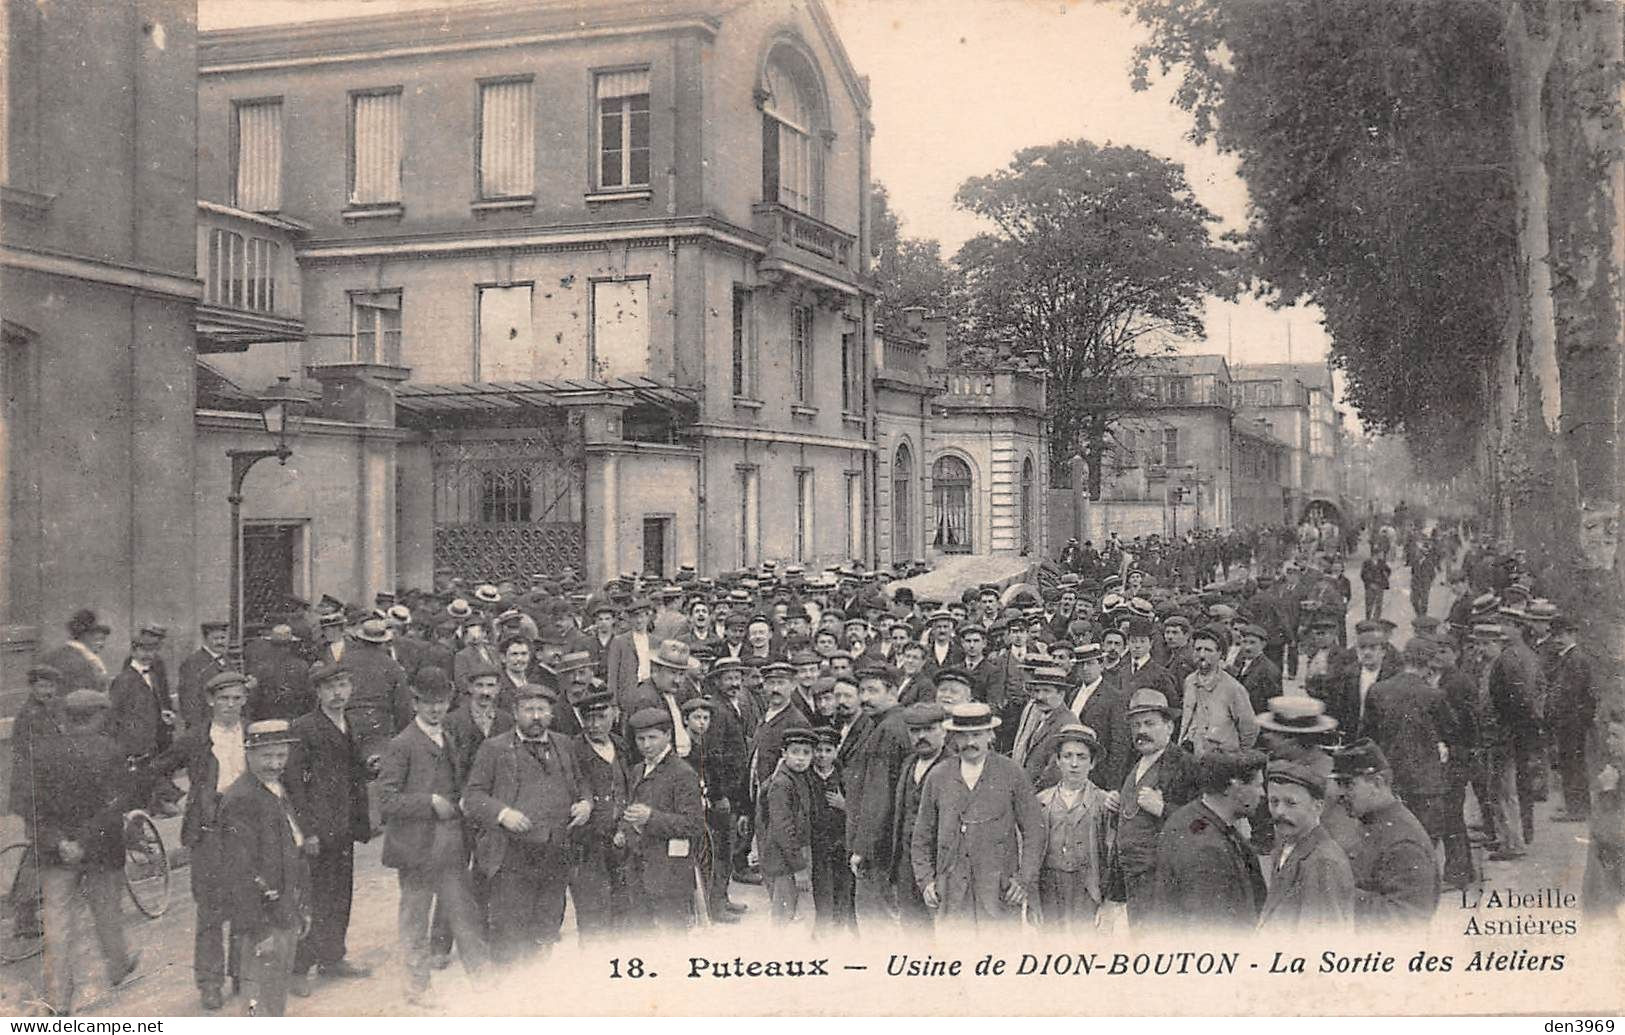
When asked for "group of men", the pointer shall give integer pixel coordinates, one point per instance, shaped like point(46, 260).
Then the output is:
point(640, 751)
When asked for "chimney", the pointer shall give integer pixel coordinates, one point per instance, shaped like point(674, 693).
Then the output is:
point(935, 327)
point(914, 317)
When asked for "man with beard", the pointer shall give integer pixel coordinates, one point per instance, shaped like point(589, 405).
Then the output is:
point(941, 649)
point(1113, 648)
point(598, 877)
point(1311, 887)
point(1160, 781)
point(927, 735)
point(1207, 874)
point(969, 862)
point(869, 775)
point(1217, 713)
point(1395, 879)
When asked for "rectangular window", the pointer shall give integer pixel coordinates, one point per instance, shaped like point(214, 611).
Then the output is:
point(505, 496)
point(1170, 446)
point(507, 155)
point(749, 511)
point(855, 515)
point(375, 327)
point(623, 129)
point(801, 353)
point(507, 347)
point(1179, 390)
point(804, 514)
point(242, 271)
point(375, 148)
point(792, 166)
point(257, 182)
point(852, 381)
point(620, 328)
point(742, 384)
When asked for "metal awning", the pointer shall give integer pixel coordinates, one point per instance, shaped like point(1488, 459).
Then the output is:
point(471, 399)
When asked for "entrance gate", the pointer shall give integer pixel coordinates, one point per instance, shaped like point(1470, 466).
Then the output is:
point(510, 505)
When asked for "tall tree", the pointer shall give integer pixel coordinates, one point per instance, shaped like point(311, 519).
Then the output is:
point(910, 270)
point(1100, 257)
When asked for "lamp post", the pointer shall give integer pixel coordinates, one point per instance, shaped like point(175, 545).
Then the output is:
point(282, 409)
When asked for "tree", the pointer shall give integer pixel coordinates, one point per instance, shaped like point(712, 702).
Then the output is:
point(1100, 258)
point(910, 270)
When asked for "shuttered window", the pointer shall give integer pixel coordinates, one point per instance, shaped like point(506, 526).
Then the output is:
point(623, 128)
point(259, 156)
point(375, 148)
point(507, 140)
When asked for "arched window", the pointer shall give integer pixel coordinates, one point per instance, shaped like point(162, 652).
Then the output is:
point(902, 505)
point(950, 490)
point(792, 134)
point(1027, 506)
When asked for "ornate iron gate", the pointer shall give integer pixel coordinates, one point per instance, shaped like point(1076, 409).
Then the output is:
point(509, 507)
point(269, 555)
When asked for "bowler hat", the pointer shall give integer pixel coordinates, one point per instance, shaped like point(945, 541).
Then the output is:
point(267, 733)
point(971, 717)
point(1146, 699)
point(431, 684)
point(84, 621)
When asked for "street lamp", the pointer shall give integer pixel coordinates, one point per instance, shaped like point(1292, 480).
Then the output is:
point(282, 410)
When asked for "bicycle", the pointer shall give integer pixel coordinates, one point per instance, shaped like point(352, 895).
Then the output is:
point(146, 881)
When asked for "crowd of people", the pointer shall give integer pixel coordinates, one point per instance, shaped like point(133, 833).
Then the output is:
point(1101, 746)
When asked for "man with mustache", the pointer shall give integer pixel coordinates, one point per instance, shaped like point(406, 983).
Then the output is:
point(869, 775)
point(927, 735)
point(1159, 782)
point(1311, 886)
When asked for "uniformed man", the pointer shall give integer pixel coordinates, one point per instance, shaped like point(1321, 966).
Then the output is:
point(1396, 881)
point(598, 869)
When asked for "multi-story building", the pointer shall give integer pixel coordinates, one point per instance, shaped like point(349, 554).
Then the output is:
point(609, 260)
point(1296, 402)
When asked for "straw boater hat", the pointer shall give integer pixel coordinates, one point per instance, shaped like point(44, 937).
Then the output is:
point(268, 732)
point(1296, 714)
point(373, 630)
point(971, 718)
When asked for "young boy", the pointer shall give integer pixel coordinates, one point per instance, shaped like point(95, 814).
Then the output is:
point(784, 823)
point(832, 881)
point(1079, 835)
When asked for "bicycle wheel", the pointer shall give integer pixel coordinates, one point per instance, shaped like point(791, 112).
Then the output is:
point(146, 865)
point(21, 930)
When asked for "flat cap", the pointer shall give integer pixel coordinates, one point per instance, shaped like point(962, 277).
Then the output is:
point(650, 719)
point(924, 713)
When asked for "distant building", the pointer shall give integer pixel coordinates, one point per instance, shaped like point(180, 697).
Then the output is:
point(1296, 402)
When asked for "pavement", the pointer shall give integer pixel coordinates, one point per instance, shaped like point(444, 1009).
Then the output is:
point(163, 983)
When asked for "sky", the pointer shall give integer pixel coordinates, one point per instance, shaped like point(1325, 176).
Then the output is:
point(958, 86)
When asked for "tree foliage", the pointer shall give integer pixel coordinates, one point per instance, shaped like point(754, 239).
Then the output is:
point(1374, 139)
point(911, 270)
point(1099, 258)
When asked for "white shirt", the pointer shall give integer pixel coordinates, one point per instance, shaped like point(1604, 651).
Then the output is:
point(971, 772)
point(649, 767)
point(339, 722)
point(145, 670)
point(275, 787)
point(923, 765)
point(1084, 694)
point(434, 733)
point(1144, 765)
point(1368, 679)
point(640, 640)
point(226, 743)
point(679, 732)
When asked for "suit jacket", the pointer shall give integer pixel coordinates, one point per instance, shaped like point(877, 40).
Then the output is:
point(1313, 889)
point(1039, 762)
point(784, 823)
point(955, 658)
point(464, 738)
point(1261, 678)
point(413, 770)
point(869, 775)
point(282, 689)
point(1394, 876)
point(1174, 775)
point(195, 672)
point(769, 743)
point(380, 691)
point(665, 864)
point(607, 785)
point(78, 671)
point(1207, 876)
point(621, 667)
point(1106, 712)
point(905, 810)
point(966, 839)
point(326, 780)
point(262, 858)
point(1409, 720)
point(478, 654)
point(507, 775)
point(1150, 676)
point(81, 788)
point(1342, 690)
point(726, 751)
point(137, 720)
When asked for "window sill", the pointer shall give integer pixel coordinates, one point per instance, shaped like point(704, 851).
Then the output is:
point(504, 204)
point(798, 410)
point(632, 194)
point(373, 212)
point(31, 202)
point(743, 403)
point(854, 420)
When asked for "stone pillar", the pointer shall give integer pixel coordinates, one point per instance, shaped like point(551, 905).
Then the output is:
point(364, 393)
point(601, 434)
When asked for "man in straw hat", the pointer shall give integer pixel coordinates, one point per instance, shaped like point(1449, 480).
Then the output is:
point(968, 861)
point(266, 867)
point(1311, 885)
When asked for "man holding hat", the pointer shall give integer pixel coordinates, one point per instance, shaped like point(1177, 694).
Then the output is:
point(662, 827)
point(418, 792)
point(269, 880)
point(1161, 780)
point(200, 666)
point(927, 735)
point(327, 786)
point(969, 863)
point(81, 789)
point(1311, 885)
point(1395, 878)
point(525, 797)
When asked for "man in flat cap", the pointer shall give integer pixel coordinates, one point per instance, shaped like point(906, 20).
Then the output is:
point(662, 827)
point(869, 771)
point(598, 867)
point(200, 666)
point(925, 721)
point(1257, 674)
point(39, 721)
point(1511, 737)
point(1207, 872)
point(144, 720)
point(267, 874)
point(327, 784)
point(1162, 779)
point(1395, 878)
point(1077, 840)
point(525, 796)
point(784, 824)
point(969, 862)
point(1311, 885)
point(1217, 712)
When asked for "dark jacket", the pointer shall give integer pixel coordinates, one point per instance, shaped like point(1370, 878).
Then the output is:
point(1174, 775)
point(380, 689)
point(1313, 890)
point(35, 724)
point(1394, 875)
point(665, 863)
point(262, 859)
point(1262, 680)
point(784, 823)
point(137, 721)
point(769, 743)
point(78, 673)
point(905, 810)
point(1342, 696)
point(507, 774)
point(414, 769)
point(326, 780)
point(607, 784)
point(727, 749)
point(1409, 720)
point(282, 684)
point(1207, 876)
point(464, 738)
point(972, 841)
point(81, 789)
point(869, 775)
point(197, 668)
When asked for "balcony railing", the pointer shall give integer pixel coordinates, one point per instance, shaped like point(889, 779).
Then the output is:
point(250, 279)
point(903, 357)
point(994, 389)
point(803, 233)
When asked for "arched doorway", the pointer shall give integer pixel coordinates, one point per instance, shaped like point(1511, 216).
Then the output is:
point(902, 505)
point(951, 493)
point(1027, 506)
